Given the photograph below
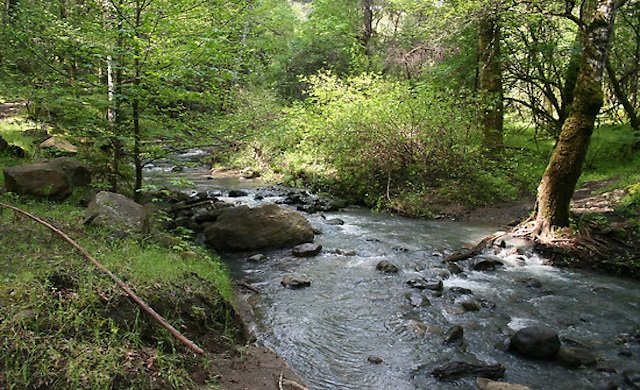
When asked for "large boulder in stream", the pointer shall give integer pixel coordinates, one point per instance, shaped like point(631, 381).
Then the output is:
point(540, 342)
point(53, 179)
point(268, 226)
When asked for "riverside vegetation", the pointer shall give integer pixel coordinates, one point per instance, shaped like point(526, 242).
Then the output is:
point(426, 109)
point(65, 325)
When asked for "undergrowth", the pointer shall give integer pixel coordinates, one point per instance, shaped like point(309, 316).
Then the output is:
point(64, 325)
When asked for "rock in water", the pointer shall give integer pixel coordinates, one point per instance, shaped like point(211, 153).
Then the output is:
point(488, 384)
point(306, 250)
point(237, 193)
point(454, 334)
point(387, 267)
point(537, 341)
point(417, 299)
point(118, 212)
point(486, 263)
point(375, 359)
point(459, 369)
point(295, 281)
point(267, 226)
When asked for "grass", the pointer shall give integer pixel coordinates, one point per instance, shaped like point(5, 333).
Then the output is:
point(13, 131)
point(610, 157)
point(66, 326)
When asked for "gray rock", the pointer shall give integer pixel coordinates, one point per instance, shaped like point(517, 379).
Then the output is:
point(417, 299)
point(267, 226)
point(295, 281)
point(454, 335)
point(460, 290)
point(58, 143)
point(334, 221)
point(306, 250)
point(536, 341)
point(256, 258)
point(434, 284)
point(54, 179)
point(118, 212)
point(576, 358)
point(387, 267)
point(349, 253)
point(375, 359)
point(418, 283)
point(237, 193)
point(486, 263)
point(457, 369)
point(470, 305)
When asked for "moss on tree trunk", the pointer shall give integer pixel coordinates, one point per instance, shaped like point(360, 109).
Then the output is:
point(565, 166)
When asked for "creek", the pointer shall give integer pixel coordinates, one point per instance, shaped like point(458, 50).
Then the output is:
point(352, 311)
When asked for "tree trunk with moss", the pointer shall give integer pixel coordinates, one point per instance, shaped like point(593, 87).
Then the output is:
point(490, 81)
point(565, 166)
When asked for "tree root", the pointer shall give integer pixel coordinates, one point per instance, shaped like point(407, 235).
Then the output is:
point(83, 252)
point(550, 237)
point(476, 250)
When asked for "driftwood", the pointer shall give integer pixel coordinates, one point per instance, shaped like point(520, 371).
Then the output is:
point(476, 250)
point(83, 252)
point(286, 384)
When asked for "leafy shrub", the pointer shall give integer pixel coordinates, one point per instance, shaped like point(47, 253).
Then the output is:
point(384, 142)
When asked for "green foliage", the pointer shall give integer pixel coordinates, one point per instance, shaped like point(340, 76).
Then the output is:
point(612, 155)
point(379, 141)
point(13, 132)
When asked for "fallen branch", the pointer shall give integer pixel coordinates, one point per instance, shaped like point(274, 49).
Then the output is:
point(476, 250)
point(157, 317)
point(293, 385)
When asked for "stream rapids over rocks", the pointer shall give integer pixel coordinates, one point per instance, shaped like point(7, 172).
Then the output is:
point(362, 325)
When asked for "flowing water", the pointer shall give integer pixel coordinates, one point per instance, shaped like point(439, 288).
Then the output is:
point(352, 311)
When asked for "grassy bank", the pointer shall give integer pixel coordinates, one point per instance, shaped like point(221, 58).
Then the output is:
point(64, 325)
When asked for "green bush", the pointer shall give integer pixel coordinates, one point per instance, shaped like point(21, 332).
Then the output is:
point(386, 143)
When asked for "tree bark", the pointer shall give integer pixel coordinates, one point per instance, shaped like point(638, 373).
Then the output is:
point(367, 32)
point(490, 82)
point(137, 135)
point(565, 166)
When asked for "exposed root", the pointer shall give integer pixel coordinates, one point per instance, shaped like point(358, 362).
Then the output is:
point(558, 239)
point(476, 250)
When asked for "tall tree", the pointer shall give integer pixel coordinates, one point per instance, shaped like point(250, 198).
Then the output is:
point(490, 79)
point(367, 26)
point(565, 166)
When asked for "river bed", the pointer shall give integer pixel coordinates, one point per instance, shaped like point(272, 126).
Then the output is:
point(351, 311)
